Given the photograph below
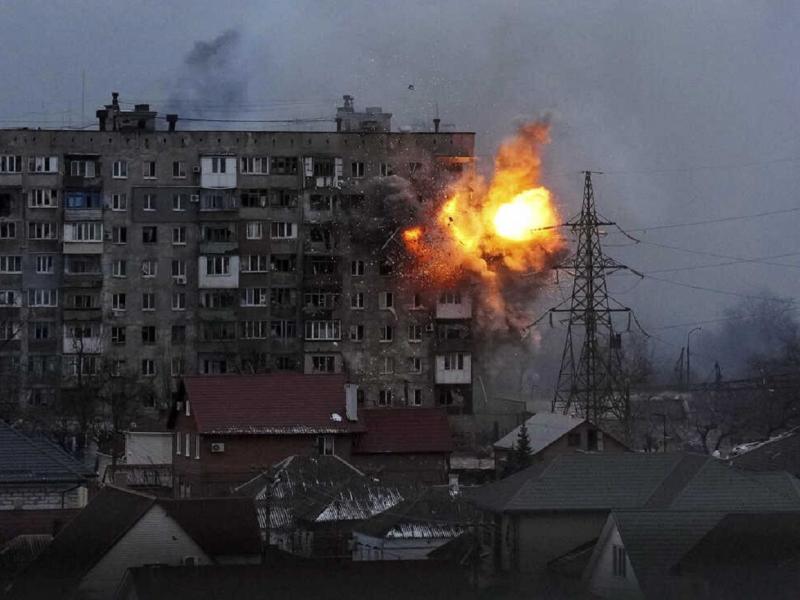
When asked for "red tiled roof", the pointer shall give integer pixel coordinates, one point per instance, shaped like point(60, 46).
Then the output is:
point(276, 403)
point(405, 430)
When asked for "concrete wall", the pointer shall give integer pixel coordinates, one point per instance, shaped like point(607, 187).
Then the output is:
point(148, 448)
point(42, 497)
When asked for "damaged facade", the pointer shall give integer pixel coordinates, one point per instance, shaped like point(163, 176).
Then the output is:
point(175, 253)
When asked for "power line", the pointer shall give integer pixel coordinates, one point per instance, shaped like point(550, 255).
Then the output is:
point(709, 289)
point(719, 220)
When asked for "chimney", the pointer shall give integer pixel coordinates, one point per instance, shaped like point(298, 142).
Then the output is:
point(338, 124)
point(351, 401)
point(171, 120)
point(436, 122)
point(101, 117)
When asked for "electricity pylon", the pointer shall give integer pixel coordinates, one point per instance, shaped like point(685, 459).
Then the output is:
point(591, 385)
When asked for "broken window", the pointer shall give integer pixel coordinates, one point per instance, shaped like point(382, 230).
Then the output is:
point(283, 263)
point(283, 165)
point(319, 202)
point(283, 198)
point(254, 198)
point(386, 268)
point(285, 297)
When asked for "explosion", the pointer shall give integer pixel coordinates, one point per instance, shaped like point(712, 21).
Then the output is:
point(499, 230)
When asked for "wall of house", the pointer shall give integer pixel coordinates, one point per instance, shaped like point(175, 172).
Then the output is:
point(155, 539)
point(428, 468)
point(542, 537)
point(42, 497)
point(148, 448)
point(561, 446)
point(370, 548)
point(604, 583)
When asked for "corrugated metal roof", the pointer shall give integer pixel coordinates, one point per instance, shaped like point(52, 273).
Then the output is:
point(26, 459)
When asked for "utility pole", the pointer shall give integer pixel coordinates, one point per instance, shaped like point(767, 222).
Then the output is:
point(688, 356)
point(591, 381)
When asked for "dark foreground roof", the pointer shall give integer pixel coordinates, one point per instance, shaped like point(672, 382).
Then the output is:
point(405, 430)
point(276, 403)
point(301, 580)
point(26, 459)
point(626, 481)
point(781, 453)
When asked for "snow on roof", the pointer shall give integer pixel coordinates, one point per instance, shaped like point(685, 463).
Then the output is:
point(543, 429)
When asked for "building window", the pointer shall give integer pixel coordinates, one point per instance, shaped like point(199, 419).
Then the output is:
point(283, 297)
point(386, 268)
point(254, 296)
point(385, 300)
point(414, 364)
point(177, 367)
point(178, 435)
point(179, 236)
point(454, 361)
point(416, 302)
point(178, 334)
point(149, 169)
point(148, 301)
point(148, 334)
point(118, 301)
point(357, 301)
point(43, 164)
point(148, 367)
point(149, 202)
point(386, 170)
point(321, 363)
point(13, 264)
point(118, 335)
point(179, 201)
point(119, 268)
point(357, 268)
point(619, 562)
point(178, 169)
point(254, 165)
point(283, 165)
point(357, 169)
point(318, 203)
point(44, 264)
point(149, 234)
point(119, 202)
point(254, 198)
point(79, 168)
point(149, 267)
point(254, 263)
point(120, 169)
point(356, 333)
point(414, 333)
point(325, 445)
point(178, 300)
point(43, 198)
point(387, 333)
point(218, 265)
point(279, 230)
point(253, 330)
point(40, 297)
point(385, 397)
point(416, 397)
point(254, 230)
point(45, 231)
point(218, 164)
point(8, 231)
point(286, 263)
point(323, 330)
point(119, 235)
point(9, 330)
point(386, 365)
point(11, 298)
point(450, 298)
point(178, 268)
point(196, 447)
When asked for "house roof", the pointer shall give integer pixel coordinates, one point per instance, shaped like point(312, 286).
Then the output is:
point(220, 526)
point(26, 459)
point(275, 403)
point(781, 453)
point(405, 430)
point(301, 579)
point(81, 544)
point(619, 481)
point(543, 429)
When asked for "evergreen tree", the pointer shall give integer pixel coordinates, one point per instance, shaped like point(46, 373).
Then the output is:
point(520, 456)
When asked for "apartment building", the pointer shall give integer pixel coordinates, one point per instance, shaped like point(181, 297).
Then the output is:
point(176, 252)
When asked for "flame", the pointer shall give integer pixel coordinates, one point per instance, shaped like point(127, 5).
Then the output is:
point(492, 228)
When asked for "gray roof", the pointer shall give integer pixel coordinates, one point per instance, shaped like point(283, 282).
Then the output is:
point(781, 453)
point(26, 459)
point(619, 481)
point(543, 429)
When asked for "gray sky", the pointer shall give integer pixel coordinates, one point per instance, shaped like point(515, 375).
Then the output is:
point(690, 107)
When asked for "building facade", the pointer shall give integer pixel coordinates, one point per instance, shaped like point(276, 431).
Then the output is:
point(173, 252)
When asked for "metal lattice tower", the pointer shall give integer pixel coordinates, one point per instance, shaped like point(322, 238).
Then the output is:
point(591, 385)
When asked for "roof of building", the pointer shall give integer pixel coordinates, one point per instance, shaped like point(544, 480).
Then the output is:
point(27, 459)
point(544, 428)
point(275, 403)
point(220, 526)
point(780, 453)
point(302, 579)
point(619, 481)
point(405, 430)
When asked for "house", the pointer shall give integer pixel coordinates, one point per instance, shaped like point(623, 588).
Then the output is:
point(414, 528)
point(229, 428)
point(120, 529)
point(146, 465)
point(553, 433)
point(779, 453)
point(404, 444)
point(41, 486)
point(284, 579)
point(308, 505)
point(696, 554)
point(550, 509)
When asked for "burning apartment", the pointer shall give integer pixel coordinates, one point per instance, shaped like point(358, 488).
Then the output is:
point(158, 252)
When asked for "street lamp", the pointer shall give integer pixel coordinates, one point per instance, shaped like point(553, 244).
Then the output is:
point(688, 356)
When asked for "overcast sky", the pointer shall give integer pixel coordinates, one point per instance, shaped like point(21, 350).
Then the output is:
point(690, 107)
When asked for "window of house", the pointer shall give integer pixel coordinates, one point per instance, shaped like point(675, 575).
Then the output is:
point(619, 562)
point(254, 165)
point(40, 297)
point(357, 169)
point(178, 267)
point(386, 169)
point(119, 202)
point(325, 445)
point(283, 165)
point(286, 263)
point(254, 198)
point(356, 333)
point(10, 298)
point(11, 264)
point(42, 330)
point(44, 231)
point(323, 330)
point(217, 233)
point(148, 367)
point(253, 263)
point(414, 364)
point(218, 331)
point(254, 296)
point(281, 231)
point(148, 301)
point(414, 333)
point(416, 397)
point(178, 436)
point(119, 235)
point(357, 301)
point(178, 169)
point(322, 363)
point(149, 234)
point(357, 268)
point(450, 298)
point(119, 169)
point(119, 268)
point(386, 333)
point(324, 167)
point(176, 369)
point(385, 397)
point(80, 168)
point(8, 230)
point(386, 268)
point(178, 334)
point(416, 302)
point(319, 202)
point(218, 164)
point(591, 439)
point(149, 267)
point(179, 236)
point(43, 198)
point(321, 299)
point(148, 334)
point(283, 198)
point(118, 335)
point(9, 330)
point(149, 202)
point(149, 169)
point(178, 300)
point(43, 164)
point(254, 230)
point(45, 264)
point(283, 329)
point(385, 300)
point(218, 299)
point(81, 301)
point(179, 201)
point(253, 330)
point(118, 301)
point(454, 361)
